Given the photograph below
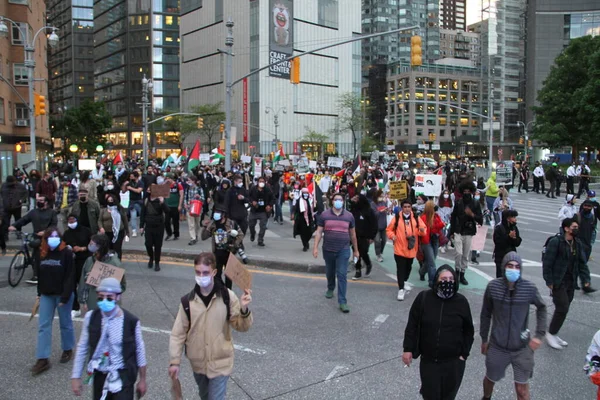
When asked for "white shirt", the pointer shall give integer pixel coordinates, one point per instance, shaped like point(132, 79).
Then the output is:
point(571, 171)
point(583, 171)
point(538, 172)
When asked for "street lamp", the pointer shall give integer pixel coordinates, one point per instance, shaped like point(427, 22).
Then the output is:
point(146, 88)
point(29, 49)
point(386, 121)
point(276, 120)
point(526, 134)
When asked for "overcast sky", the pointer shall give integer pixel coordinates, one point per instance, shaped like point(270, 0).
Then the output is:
point(473, 11)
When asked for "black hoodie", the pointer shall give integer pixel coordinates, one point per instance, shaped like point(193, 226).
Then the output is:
point(503, 243)
point(364, 217)
point(446, 325)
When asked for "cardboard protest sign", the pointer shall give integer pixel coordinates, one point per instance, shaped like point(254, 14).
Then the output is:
point(336, 162)
point(398, 190)
point(238, 273)
point(101, 270)
point(429, 185)
point(478, 242)
point(163, 190)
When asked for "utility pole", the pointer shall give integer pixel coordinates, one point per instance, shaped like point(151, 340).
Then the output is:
point(491, 133)
point(146, 87)
point(228, 91)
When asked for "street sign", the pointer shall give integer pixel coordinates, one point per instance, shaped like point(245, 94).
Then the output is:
point(423, 146)
point(435, 147)
point(390, 147)
point(495, 126)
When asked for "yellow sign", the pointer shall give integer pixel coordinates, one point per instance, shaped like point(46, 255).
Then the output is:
point(398, 190)
point(235, 154)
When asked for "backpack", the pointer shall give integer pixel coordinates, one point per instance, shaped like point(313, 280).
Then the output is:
point(185, 303)
point(546, 245)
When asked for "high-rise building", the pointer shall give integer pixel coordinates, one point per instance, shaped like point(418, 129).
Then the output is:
point(460, 45)
point(71, 63)
point(267, 108)
point(550, 27)
point(453, 14)
point(133, 38)
point(29, 15)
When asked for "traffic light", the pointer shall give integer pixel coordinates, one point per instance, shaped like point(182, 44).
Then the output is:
point(529, 143)
point(521, 140)
point(39, 103)
point(416, 51)
point(295, 70)
point(222, 128)
point(20, 148)
point(200, 122)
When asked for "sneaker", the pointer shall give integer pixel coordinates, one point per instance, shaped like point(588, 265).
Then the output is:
point(192, 242)
point(66, 356)
point(329, 294)
point(281, 222)
point(252, 237)
point(379, 259)
point(408, 286)
point(475, 262)
point(368, 273)
point(443, 249)
point(176, 238)
point(344, 308)
point(75, 314)
point(168, 238)
point(157, 267)
point(561, 342)
point(32, 281)
point(588, 289)
point(553, 342)
point(245, 260)
point(40, 366)
point(400, 295)
point(134, 233)
point(357, 276)
point(261, 244)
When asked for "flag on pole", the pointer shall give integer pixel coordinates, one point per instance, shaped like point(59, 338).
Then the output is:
point(340, 173)
point(356, 166)
point(194, 159)
point(279, 155)
point(184, 153)
point(172, 159)
point(118, 158)
point(216, 156)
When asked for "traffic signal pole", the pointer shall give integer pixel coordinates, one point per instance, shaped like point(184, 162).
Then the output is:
point(230, 83)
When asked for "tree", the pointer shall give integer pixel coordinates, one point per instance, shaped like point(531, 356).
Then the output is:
point(352, 117)
point(212, 117)
point(569, 110)
point(369, 143)
point(312, 136)
point(84, 125)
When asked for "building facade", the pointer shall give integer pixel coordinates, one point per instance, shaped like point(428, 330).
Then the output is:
point(460, 45)
point(267, 109)
point(550, 27)
point(14, 97)
point(427, 100)
point(453, 15)
point(133, 39)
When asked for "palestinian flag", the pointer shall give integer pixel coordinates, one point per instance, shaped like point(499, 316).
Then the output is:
point(172, 159)
point(317, 196)
point(184, 153)
point(216, 156)
point(355, 169)
point(279, 155)
point(340, 173)
point(194, 159)
point(118, 158)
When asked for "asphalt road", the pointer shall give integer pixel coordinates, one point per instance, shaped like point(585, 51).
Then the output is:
point(301, 346)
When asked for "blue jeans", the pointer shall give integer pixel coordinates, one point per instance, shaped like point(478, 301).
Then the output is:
point(211, 389)
point(489, 202)
point(337, 264)
point(67, 336)
point(135, 209)
point(430, 254)
point(278, 212)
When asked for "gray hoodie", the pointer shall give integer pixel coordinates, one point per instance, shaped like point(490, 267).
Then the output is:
point(507, 309)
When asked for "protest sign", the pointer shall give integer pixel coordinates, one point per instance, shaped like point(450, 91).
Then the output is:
point(312, 164)
point(504, 173)
point(478, 242)
point(429, 185)
point(204, 157)
point(336, 162)
point(246, 159)
point(163, 190)
point(398, 190)
point(294, 159)
point(237, 273)
point(101, 270)
point(257, 166)
point(285, 163)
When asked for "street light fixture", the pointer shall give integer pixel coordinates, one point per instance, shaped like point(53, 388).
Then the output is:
point(146, 88)
point(3, 28)
point(276, 120)
point(53, 39)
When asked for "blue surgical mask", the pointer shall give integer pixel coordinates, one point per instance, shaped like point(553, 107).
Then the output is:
point(53, 242)
point(512, 275)
point(217, 216)
point(338, 204)
point(593, 199)
point(93, 247)
point(477, 198)
point(106, 306)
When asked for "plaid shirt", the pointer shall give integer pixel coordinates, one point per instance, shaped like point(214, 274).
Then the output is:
point(72, 195)
point(190, 194)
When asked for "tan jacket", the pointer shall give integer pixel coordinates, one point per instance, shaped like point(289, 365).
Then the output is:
point(208, 342)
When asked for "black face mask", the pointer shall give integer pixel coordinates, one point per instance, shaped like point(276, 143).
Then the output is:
point(467, 197)
point(574, 232)
point(40, 204)
point(445, 289)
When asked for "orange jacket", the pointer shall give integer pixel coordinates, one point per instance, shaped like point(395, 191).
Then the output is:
point(402, 232)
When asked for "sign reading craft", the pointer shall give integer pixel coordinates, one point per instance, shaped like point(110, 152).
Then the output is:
point(281, 37)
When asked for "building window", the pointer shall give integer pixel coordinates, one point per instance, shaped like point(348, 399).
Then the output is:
point(21, 112)
point(190, 5)
point(2, 113)
point(24, 2)
point(19, 33)
point(442, 132)
point(20, 74)
point(329, 13)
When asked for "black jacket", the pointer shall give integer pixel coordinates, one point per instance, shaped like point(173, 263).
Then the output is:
point(79, 237)
point(461, 223)
point(365, 218)
point(40, 219)
point(13, 195)
point(503, 243)
point(446, 326)
point(237, 209)
point(556, 261)
point(153, 215)
point(262, 197)
point(57, 275)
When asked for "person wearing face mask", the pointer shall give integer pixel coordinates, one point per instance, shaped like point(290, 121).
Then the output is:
point(99, 251)
point(203, 327)
point(420, 204)
point(440, 330)
point(304, 219)
point(587, 227)
point(86, 211)
point(175, 204)
point(506, 309)
point(113, 222)
point(225, 240)
point(338, 227)
point(65, 197)
point(55, 292)
point(503, 202)
point(42, 218)
point(34, 179)
point(506, 238)
point(380, 206)
point(112, 338)
point(463, 226)
point(569, 209)
point(261, 202)
point(366, 229)
point(76, 181)
point(152, 224)
point(193, 192)
point(47, 188)
point(564, 262)
point(77, 237)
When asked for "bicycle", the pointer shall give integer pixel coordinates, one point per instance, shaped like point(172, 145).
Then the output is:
point(20, 262)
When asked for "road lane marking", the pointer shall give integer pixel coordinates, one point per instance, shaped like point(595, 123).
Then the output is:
point(380, 319)
point(334, 372)
point(482, 274)
point(144, 329)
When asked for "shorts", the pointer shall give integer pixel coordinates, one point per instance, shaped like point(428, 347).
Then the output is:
point(497, 360)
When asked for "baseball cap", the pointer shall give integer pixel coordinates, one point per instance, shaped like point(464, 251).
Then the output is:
point(591, 193)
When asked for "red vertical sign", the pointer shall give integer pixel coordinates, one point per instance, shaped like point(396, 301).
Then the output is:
point(295, 148)
point(245, 110)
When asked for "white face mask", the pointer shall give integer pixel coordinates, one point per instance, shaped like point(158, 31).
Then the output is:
point(204, 281)
point(261, 184)
point(446, 196)
point(109, 187)
point(380, 199)
point(73, 225)
point(239, 184)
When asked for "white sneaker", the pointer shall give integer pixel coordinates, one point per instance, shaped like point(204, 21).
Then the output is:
point(379, 259)
point(561, 342)
point(75, 313)
point(553, 342)
point(400, 295)
point(408, 286)
point(443, 249)
point(134, 233)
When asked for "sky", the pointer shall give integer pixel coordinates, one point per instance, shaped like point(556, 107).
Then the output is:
point(473, 11)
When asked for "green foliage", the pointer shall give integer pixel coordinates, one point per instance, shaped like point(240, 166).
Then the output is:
point(83, 125)
point(369, 143)
point(312, 136)
point(213, 117)
point(352, 116)
point(569, 110)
